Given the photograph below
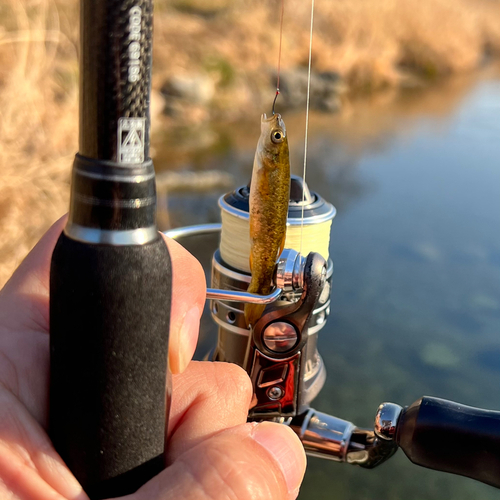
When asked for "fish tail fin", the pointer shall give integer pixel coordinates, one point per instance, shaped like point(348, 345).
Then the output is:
point(253, 312)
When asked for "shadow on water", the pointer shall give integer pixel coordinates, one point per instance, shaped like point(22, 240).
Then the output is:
point(416, 246)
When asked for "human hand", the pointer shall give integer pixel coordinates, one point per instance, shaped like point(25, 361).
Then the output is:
point(213, 453)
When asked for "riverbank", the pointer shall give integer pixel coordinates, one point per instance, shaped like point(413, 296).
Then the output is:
point(359, 47)
point(214, 60)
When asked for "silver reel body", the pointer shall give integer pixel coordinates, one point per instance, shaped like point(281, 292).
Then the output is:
point(279, 366)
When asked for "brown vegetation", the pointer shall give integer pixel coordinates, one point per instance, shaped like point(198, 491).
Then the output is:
point(38, 106)
point(372, 44)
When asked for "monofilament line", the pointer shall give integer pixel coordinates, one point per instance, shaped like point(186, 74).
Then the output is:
point(307, 122)
point(279, 55)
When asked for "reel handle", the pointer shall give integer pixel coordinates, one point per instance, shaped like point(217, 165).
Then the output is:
point(452, 437)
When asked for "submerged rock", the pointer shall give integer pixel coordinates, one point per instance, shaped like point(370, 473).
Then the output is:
point(485, 302)
point(439, 356)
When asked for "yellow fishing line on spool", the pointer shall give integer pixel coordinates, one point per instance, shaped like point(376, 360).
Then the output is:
point(235, 234)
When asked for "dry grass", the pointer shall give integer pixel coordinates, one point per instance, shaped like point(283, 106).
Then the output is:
point(38, 112)
point(371, 43)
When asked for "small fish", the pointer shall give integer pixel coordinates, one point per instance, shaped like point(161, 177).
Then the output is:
point(269, 197)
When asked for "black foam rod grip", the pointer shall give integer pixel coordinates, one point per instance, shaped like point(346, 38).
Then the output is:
point(452, 437)
point(109, 323)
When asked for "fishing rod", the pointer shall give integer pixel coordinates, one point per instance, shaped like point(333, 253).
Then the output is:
point(110, 279)
point(281, 356)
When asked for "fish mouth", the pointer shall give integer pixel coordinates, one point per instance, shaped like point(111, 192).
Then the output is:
point(276, 116)
point(276, 119)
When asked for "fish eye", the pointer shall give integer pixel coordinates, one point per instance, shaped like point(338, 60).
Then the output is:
point(277, 136)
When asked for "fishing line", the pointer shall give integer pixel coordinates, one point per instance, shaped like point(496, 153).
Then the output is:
point(305, 232)
point(279, 55)
point(307, 122)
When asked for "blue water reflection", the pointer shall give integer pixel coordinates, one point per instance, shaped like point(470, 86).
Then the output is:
point(417, 292)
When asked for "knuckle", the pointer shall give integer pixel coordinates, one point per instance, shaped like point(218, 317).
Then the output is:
point(232, 379)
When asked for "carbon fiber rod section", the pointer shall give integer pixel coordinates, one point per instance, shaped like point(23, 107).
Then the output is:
point(115, 79)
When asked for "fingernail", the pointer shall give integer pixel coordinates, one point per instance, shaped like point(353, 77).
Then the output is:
point(183, 341)
point(284, 445)
point(189, 332)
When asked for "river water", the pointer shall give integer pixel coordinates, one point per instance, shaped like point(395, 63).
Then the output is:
point(416, 248)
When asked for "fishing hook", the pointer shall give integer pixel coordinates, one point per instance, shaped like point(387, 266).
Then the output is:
point(275, 97)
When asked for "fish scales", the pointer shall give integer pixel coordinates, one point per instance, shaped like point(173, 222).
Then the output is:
point(269, 197)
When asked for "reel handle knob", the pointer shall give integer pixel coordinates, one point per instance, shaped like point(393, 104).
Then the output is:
point(452, 437)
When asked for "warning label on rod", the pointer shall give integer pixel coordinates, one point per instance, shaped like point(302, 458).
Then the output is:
point(131, 140)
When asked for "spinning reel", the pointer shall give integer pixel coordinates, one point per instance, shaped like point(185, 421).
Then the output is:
point(287, 372)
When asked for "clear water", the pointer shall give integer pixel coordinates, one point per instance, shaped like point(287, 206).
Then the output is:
point(416, 247)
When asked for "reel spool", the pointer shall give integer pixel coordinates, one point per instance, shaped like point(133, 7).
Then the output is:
point(313, 235)
point(231, 271)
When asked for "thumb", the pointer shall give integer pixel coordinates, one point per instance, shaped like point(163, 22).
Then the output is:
point(247, 462)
